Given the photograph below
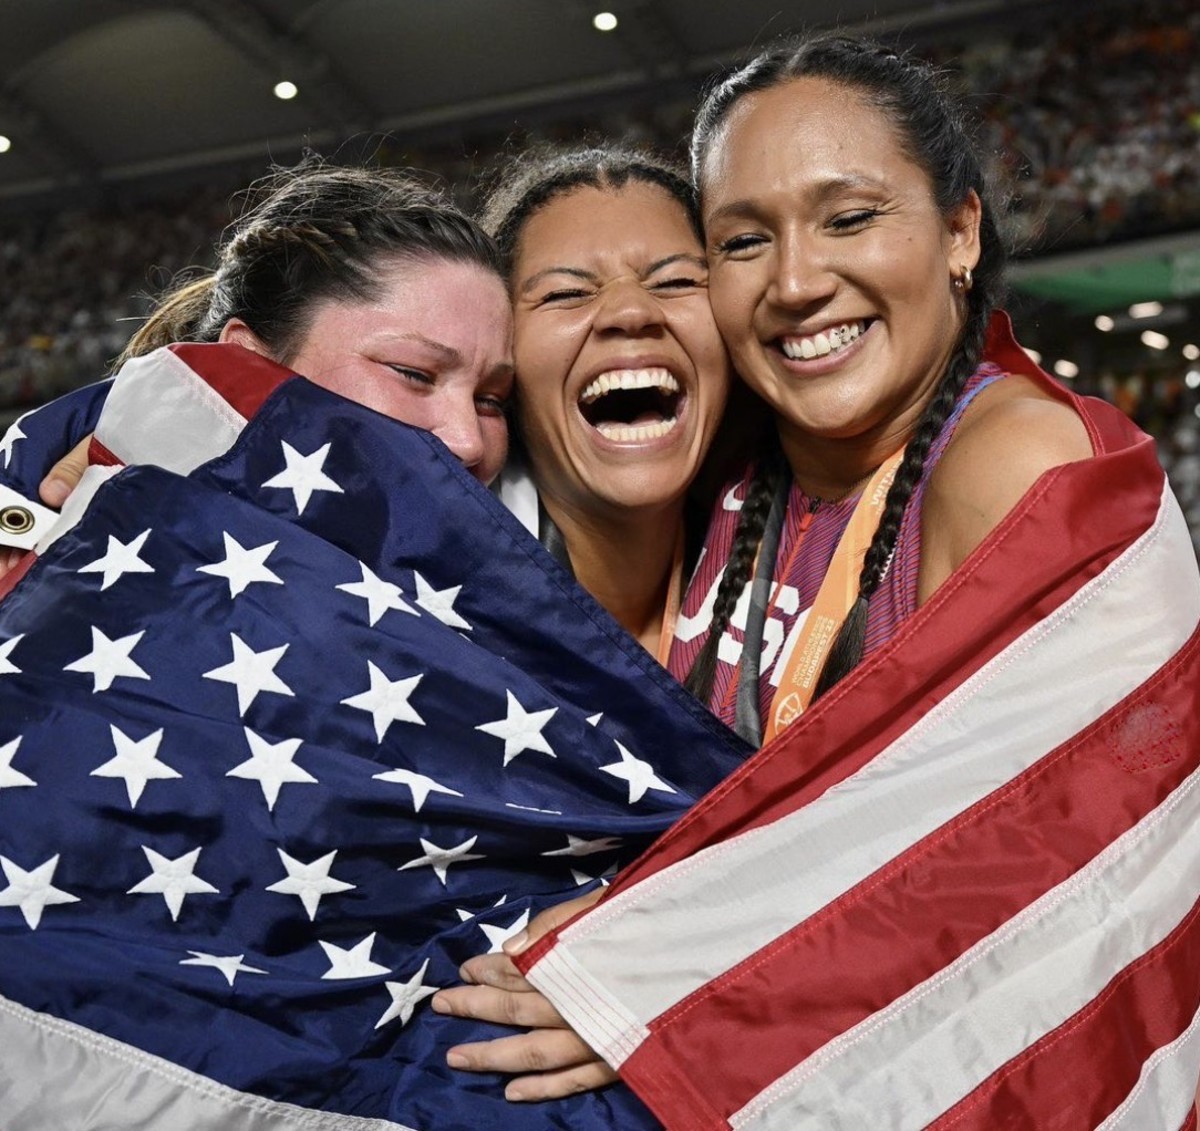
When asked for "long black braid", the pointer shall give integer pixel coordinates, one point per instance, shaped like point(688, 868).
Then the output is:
point(937, 133)
point(752, 519)
point(847, 647)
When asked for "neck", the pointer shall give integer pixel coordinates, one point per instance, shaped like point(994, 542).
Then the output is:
point(835, 470)
point(832, 467)
point(625, 561)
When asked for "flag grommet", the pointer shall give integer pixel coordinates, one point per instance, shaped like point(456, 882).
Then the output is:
point(16, 520)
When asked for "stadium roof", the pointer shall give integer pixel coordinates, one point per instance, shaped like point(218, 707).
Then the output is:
point(101, 92)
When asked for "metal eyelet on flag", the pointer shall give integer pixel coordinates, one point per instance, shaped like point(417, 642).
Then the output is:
point(16, 520)
point(22, 521)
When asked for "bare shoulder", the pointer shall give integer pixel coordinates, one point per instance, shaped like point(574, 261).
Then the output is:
point(1009, 436)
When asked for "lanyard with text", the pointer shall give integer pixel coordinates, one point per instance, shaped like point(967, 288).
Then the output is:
point(837, 594)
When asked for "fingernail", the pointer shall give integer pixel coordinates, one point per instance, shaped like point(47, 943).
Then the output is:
point(54, 492)
point(465, 975)
point(439, 1004)
point(514, 1094)
point(517, 943)
point(456, 1059)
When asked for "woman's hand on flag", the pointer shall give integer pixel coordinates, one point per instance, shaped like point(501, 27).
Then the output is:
point(550, 1060)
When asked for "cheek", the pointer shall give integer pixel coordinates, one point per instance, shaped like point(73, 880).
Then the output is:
point(495, 447)
point(716, 395)
point(390, 398)
point(543, 353)
point(711, 360)
point(729, 294)
point(540, 425)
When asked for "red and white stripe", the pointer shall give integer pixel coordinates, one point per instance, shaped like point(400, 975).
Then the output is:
point(182, 405)
point(964, 890)
point(175, 408)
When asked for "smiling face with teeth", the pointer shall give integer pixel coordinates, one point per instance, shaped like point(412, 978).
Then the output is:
point(832, 268)
point(621, 374)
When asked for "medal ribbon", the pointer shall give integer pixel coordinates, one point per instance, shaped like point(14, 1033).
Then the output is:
point(838, 592)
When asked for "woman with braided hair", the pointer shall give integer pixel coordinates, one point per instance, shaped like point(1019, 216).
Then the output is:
point(854, 282)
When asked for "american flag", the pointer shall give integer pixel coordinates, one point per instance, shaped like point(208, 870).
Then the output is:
point(295, 718)
point(962, 891)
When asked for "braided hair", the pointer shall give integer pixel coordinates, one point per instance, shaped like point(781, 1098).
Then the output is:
point(769, 473)
point(937, 134)
point(313, 232)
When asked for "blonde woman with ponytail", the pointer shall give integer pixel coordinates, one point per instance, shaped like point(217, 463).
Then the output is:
point(364, 280)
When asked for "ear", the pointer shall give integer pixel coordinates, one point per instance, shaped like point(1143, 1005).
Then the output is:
point(237, 332)
point(962, 225)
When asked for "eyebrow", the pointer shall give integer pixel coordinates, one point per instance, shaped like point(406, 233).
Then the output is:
point(574, 272)
point(452, 357)
point(822, 190)
point(590, 277)
point(447, 353)
point(687, 256)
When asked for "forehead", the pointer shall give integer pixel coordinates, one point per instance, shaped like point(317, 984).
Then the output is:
point(806, 129)
point(429, 278)
point(455, 302)
point(636, 221)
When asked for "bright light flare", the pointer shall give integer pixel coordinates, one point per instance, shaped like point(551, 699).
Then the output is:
point(1145, 310)
point(1065, 368)
point(286, 90)
point(1104, 323)
point(1155, 340)
point(604, 21)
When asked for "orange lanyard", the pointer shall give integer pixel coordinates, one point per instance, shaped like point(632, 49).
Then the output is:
point(674, 600)
point(838, 592)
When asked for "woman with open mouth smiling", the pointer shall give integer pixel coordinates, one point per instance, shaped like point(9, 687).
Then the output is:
point(622, 374)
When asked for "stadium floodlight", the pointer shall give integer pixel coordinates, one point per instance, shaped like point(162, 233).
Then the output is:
point(1065, 368)
point(1145, 310)
point(1104, 322)
point(1155, 340)
point(1191, 351)
point(5, 144)
point(286, 90)
point(604, 21)
point(1034, 356)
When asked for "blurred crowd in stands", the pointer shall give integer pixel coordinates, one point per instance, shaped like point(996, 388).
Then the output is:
point(1095, 120)
point(1098, 123)
point(1165, 402)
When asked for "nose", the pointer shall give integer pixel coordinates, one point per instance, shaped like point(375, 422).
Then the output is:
point(627, 307)
point(801, 273)
point(460, 430)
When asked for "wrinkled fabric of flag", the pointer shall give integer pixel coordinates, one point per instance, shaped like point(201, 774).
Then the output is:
point(962, 892)
point(294, 719)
